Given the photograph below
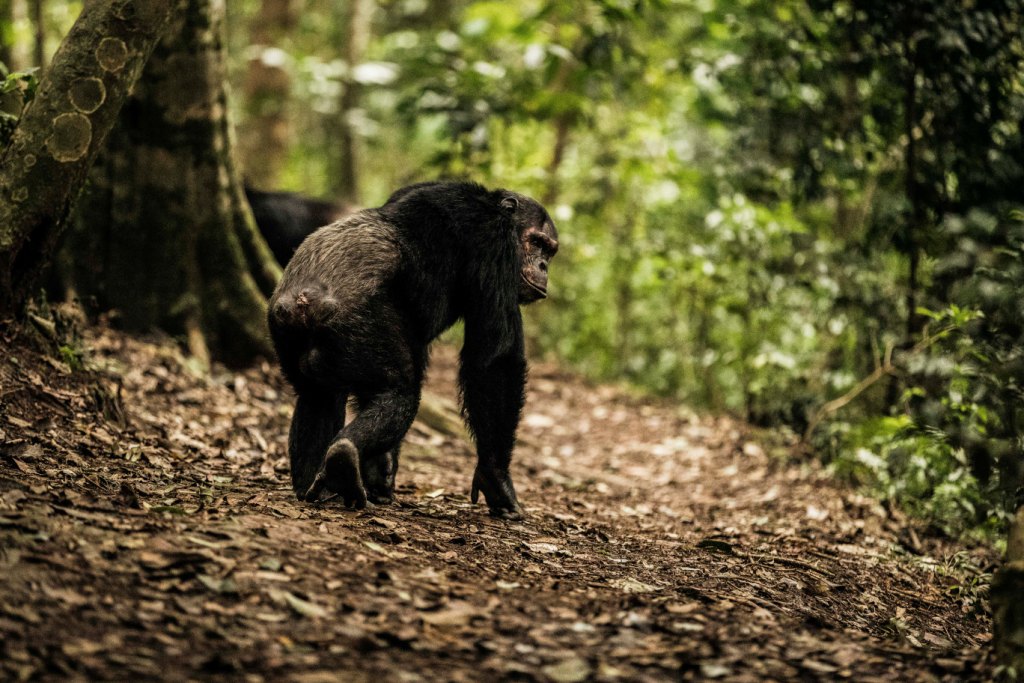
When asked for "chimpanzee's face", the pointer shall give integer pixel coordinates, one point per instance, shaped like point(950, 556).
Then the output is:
point(538, 244)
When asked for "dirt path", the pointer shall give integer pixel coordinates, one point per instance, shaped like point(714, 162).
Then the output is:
point(156, 537)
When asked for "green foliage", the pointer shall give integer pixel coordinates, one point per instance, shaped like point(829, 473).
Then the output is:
point(756, 201)
point(917, 468)
point(73, 356)
point(956, 454)
point(970, 387)
point(23, 85)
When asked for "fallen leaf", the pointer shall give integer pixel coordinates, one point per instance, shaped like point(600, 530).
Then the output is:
point(70, 597)
point(714, 670)
point(81, 646)
point(818, 667)
point(271, 564)
point(386, 523)
point(375, 547)
point(633, 586)
point(938, 640)
point(457, 613)
point(225, 585)
point(271, 617)
point(302, 607)
point(205, 543)
point(542, 547)
point(571, 670)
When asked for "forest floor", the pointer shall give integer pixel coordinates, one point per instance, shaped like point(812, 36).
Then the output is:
point(148, 531)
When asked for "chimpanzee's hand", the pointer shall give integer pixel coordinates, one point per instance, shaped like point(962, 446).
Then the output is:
point(498, 491)
point(340, 474)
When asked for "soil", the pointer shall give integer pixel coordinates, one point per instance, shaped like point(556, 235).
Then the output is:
point(148, 531)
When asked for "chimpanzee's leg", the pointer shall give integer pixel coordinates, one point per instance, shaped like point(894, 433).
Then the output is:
point(492, 394)
point(377, 360)
point(318, 417)
point(377, 467)
point(370, 438)
point(380, 467)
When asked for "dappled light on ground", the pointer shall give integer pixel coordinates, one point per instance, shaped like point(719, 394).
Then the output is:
point(147, 529)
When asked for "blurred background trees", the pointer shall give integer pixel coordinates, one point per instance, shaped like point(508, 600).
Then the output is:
point(805, 212)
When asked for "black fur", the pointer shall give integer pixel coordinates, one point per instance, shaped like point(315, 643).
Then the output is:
point(358, 306)
point(285, 218)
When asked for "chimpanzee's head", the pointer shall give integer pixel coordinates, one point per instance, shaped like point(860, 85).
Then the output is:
point(538, 244)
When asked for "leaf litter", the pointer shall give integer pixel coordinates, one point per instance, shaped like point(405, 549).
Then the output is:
point(148, 530)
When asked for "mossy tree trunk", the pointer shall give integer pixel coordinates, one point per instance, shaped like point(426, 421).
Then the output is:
point(62, 130)
point(1008, 599)
point(165, 236)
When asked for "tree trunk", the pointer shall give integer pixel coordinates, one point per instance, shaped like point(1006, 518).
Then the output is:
point(39, 31)
point(6, 32)
point(564, 121)
point(63, 129)
point(357, 38)
point(266, 133)
point(916, 220)
point(166, 236)
point(10, 103)
point(622, 281)
point(20, 54)
point(563, 124)
point(1008, 599)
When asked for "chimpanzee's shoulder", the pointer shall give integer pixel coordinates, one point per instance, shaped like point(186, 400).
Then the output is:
point(445, 192)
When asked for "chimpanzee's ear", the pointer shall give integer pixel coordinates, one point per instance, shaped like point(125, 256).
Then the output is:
point(510, 204)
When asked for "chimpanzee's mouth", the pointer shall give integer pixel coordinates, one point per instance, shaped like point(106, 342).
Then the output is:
point(541, 292)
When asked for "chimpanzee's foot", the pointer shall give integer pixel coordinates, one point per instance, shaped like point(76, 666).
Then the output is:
point(340, 473)
point(513, 515)
point(499, 493)
point(380, 497)
point(378, 491)
point(378, 472)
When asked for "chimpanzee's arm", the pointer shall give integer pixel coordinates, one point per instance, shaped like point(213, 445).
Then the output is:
point(493, 378)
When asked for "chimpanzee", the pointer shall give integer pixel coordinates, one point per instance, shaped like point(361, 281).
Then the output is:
point(358, 306)
point(287, 218)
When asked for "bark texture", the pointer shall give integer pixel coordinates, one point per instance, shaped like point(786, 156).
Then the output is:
point(62, 131)
point(166, 236)
point(1008, 599)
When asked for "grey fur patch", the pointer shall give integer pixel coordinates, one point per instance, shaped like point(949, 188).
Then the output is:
point(344, 263)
